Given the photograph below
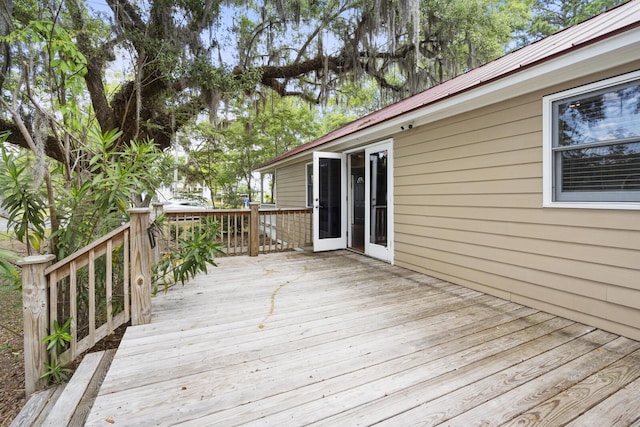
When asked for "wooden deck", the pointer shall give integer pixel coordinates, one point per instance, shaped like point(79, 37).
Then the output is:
point(340, 339)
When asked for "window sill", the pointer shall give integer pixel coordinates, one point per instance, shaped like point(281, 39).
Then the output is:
point(594, 205)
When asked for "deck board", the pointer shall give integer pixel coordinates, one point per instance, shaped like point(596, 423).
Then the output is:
point(562, 408)
point(340, 339)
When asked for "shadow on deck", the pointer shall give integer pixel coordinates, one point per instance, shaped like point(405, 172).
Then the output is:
point(340, 339)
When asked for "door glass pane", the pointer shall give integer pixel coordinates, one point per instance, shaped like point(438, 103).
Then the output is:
point(358, 197)
point(309, 185)
point(330, 198)
point(378, 194)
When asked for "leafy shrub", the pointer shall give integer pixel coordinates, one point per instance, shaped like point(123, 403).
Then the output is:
point(191, 254)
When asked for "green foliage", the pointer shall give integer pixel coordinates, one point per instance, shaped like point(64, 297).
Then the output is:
point(60, 337)
point(220, 78)
point(463, 34)
point(57, 372)
point(197, 251)
point(57, 341)
point(8, 272)
point(57, 66)
point(191, 255)
point(355, 99)
point(24, 203)
point(592, 8)
point(551, 16)
point(223, 157)
point(118, 180)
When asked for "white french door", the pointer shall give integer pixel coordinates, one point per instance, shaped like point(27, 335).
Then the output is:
point(378, 225)
point(329, 201)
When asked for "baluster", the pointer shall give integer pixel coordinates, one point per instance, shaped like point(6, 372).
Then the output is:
point(228, 233)
point(109, 285)
point(127, 310)
point(53, 311)
point(235, 232)
point(289, 235)
point(92, 298)
point(273, 242)
point(73, 306)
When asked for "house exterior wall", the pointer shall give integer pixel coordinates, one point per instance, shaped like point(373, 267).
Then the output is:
point(468, 209)
point(291, 193)
point(291, 185)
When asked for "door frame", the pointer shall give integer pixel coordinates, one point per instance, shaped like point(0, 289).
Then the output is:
point(384, 253)
point(328, 244)
point(350, 201)
point(346, 210)
point(387, 255)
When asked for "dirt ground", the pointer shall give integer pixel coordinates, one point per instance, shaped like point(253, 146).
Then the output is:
point(11, 356)
point(11, 347)
point(12, 397)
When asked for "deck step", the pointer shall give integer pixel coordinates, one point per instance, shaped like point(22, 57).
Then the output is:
point(37, 407)
point(68, 405)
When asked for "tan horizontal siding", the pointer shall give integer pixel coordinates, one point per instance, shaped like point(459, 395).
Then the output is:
point(474, 200)
point(520, 171)
point(521, 258)
point(566, 234)
point(594, 311)
point(503, 186)
point(516, 136)
point(597, 218)
point(621, 323)
point(517, 117)
point(494, 275)
point(484, 161)
point(291, 186)
point(592, 253)
point(507, 144)
point(468, 208)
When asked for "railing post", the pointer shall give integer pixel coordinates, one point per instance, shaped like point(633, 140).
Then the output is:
point(140, 266)
point(35, 306)
point(254, 233)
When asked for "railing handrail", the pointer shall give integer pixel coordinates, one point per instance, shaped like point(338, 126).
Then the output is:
point(246, 211)
point(88, 248)
point(285, 209)
point(201, 211)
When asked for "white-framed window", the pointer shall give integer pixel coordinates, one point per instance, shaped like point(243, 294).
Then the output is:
point(309, 184)
point(591, 145)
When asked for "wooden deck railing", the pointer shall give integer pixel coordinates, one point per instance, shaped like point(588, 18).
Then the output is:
point(108, 283)
point(90, 291)
point(99, 288)
point(284, 229)
point(245, 231)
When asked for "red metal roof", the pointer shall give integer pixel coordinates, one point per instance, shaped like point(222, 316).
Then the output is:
point(605, 25)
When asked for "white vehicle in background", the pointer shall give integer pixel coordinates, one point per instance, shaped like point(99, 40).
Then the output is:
point(184, 206)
